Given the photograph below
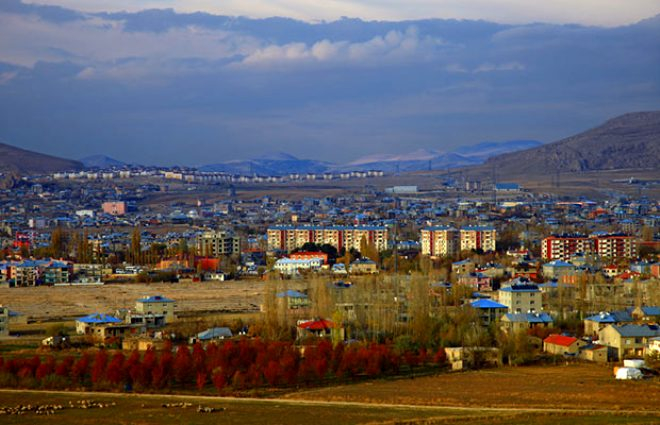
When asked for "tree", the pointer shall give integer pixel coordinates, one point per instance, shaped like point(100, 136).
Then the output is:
point(183, 365)
point(100, 364)
point(136, 246)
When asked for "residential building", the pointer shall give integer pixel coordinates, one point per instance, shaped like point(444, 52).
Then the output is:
point(615, 246)
point(478, 238)
point(116, 208)
point(294, 299)
point(489, 311)
point(562, 247)
point(288, 238)
point(306, 255)
point(594, 324)
point(605, 245)
point(363, 266)
point(440, 241)
point(521, 322)
point(289, 266)
point(562, 344)
point(84, 325)
point(521, 296)
point(156, 307)
point(627, 340)
point(218, 243)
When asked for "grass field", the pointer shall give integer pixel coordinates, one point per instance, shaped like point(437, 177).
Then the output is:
point(580, 385)
point(552, 395)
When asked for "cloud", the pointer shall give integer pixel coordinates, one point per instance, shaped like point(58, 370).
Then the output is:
point(509, 66)
point(394, 46)
point(5, 77)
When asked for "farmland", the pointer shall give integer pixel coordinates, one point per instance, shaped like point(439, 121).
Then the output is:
point(577, 393)
point(584, 386)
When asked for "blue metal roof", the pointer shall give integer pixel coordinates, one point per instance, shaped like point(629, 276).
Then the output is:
point(529, 317)
point(99, 318)
point(291, 294)
point(214, 333)
point(485, 304)
point(156, 299)
point(610, 317)
point(630, 330)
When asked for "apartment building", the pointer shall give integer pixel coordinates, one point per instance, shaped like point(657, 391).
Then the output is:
point(521, 296)
point(605, 245)
point(218, 243)
point(288, 238)
point(439, 241)
point(478, 238)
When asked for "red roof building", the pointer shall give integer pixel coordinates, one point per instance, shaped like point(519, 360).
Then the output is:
point(561, 344)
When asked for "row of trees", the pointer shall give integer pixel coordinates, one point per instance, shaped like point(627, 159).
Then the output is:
point(241, 365)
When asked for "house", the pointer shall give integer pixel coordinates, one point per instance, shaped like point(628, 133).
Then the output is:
point(557, 269)
point(212, 334)
point(478, 281)
point(363, 265)
point(653, 347)
point(85, 324)
point(318, 327)
point(463, 267)
point(489, 311)
point(294, 299)
point(594, 353)
point(593, 324)
point(520, 296)
point(562, 345)
point(645, 313)
point(289, 266)
point(156, 305)
point(627, 340)
point(517, 322)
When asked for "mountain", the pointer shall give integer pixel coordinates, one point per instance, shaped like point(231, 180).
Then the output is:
point(429, 159)
point(627, 141)
point(22, 161)
point(275, 164)
point(101, 161)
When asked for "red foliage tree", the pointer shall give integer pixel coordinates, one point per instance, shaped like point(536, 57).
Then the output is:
point(115, 373)
point(63, 369)
point(99, 367)
point(80, 369)
point(219, 380)
point(183, 365)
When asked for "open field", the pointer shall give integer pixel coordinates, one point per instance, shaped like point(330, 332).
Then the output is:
point(62, 302)
point(149, 409)
point(583, 385)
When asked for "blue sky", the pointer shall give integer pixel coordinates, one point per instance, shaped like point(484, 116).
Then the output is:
point(194, 84)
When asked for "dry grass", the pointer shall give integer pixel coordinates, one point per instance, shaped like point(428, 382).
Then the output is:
point(57, 303)
point(577, 386)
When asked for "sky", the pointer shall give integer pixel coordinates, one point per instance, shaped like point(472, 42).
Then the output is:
point(192, 83)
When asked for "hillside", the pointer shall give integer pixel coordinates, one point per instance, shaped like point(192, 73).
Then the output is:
point(101, 161)
point(630, 141)
point(21, 161)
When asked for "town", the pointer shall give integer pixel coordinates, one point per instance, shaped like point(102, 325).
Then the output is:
point(578, 278)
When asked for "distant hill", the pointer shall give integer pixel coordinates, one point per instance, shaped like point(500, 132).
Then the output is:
point(21, 161)
point(275, 164)
point(101, 161)
point(425, 159)
point(627, 141)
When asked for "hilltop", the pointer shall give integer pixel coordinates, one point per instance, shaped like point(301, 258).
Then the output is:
point(629, 141)
point(15, 160)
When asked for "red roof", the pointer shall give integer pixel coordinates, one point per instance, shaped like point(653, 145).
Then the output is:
point(562, 340)
point(317, 325)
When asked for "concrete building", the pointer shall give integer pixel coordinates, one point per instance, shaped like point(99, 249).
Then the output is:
point(521, 296)
point(627, 340)
point(478, 238)
point(561, 344)
point(218, 243)
point(287, 238)
point(439, 241)
point(156, 306)
point(116, 208)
